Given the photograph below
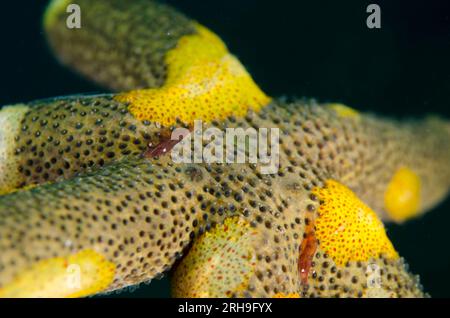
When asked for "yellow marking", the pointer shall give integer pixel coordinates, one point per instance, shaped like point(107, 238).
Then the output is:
point(219, 263)
point(378, 293)
point(344, 111)
point(290, 295)
point(78, 275)
point(53, 9)
point(29, 187)
point(347, 229)
point(204, 82)
point(402, 196)
point(10, 118)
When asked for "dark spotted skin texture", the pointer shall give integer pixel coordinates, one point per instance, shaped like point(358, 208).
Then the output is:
point(142, 213)
point(94, 186)
point(120, 45)
point(61, 138)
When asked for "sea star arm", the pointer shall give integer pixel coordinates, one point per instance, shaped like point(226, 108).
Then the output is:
point(108, 229)
point(64, 222)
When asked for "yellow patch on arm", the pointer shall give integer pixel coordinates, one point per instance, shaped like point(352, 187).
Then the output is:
point(282, 295)
point(402, 196)
point(344, 111)
point(53, 7)
point(10, 125)
point(82, 274)
point(219, 263)
point(347, 229)
point(204, 82)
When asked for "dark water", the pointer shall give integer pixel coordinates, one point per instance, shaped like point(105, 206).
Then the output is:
point(319, 49)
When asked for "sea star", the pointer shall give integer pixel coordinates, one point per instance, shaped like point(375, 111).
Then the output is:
point(93, 202)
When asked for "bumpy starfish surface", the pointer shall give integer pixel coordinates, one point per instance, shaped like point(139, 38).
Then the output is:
point(90, 191)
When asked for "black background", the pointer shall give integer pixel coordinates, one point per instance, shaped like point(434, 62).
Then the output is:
point(320, 49)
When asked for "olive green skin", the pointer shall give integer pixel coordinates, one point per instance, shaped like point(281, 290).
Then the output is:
point(142, 213)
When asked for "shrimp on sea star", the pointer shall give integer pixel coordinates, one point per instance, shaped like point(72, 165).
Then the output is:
point(77, 189)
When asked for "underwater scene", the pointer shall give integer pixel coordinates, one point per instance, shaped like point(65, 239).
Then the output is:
point(216, 149)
